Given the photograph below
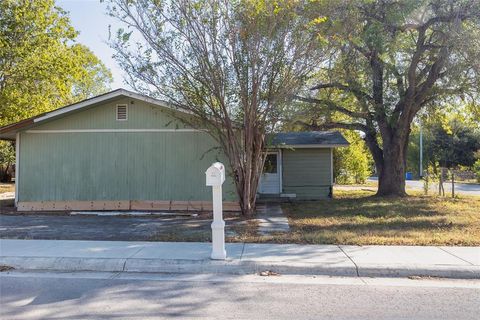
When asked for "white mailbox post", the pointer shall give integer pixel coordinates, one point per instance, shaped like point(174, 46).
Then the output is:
point(215, 176)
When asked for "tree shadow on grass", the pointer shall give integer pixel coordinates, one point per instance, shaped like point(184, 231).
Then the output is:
point(371, 207)
point(374, 226)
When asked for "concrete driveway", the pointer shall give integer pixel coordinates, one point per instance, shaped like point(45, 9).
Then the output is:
point(105, 228)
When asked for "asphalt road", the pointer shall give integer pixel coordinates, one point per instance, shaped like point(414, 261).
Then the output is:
point(143, 296)
point(468, 189)
point(472, 189)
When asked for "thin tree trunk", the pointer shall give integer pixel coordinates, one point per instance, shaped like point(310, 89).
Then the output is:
point(426, 183)
point(441, 190)
point(453, 183)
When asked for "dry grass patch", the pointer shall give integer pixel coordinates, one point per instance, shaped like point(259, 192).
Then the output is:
point(198, 229)
point(7, 187)
point(356, 217)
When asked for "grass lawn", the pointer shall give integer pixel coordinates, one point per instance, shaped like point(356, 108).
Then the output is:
point(355, 217)
point(7, 187)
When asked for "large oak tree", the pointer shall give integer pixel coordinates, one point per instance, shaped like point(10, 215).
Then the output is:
point(388, 61)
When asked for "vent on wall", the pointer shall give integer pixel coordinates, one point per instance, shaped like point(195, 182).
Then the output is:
point(122, 112)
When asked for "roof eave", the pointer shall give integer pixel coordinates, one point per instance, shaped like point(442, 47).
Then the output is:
point(7, 131)
point(307, 146)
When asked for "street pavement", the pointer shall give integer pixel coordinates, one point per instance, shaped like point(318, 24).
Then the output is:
point(471, 189)
point(30, 296)
point(242, 258)
point(467, 189)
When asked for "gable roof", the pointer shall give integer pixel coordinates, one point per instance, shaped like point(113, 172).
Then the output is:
point(8, 132)
point(308, 139)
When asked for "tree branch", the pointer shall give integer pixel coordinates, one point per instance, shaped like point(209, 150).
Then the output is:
point(334, 125)
point(332, 106)
point(337, 85)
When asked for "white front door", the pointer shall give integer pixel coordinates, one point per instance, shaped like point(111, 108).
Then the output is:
point(270, 178)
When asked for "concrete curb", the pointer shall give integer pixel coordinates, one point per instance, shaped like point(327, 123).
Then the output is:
point(233, 267)
point(454, 272)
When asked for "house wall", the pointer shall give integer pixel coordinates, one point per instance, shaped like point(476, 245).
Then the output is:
point(103, 159)
point(307, 173)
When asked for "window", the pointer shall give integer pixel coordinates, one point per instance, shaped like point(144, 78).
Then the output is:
point(270, 163)
point(122, 112)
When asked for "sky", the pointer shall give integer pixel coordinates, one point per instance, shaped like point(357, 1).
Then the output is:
point(90, 19)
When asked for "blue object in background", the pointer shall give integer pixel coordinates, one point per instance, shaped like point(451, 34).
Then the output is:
point(409, 176)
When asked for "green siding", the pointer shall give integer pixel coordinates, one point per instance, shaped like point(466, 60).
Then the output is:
point(140, 115)
point(93, 166)
point(307, 173)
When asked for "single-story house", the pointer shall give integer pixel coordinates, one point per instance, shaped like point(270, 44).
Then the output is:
point(126, 151)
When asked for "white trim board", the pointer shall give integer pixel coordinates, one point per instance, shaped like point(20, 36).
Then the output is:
point(17, 167)
point(307, 146)
point(114, 130)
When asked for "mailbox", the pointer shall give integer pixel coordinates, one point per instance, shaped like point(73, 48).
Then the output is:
point(215, 178)
point(215, 174)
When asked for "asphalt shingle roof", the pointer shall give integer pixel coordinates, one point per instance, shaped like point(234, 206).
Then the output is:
point(323, 138)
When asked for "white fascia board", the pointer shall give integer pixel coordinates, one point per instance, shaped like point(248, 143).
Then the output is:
point(114, 130)
point(107, 96)
point(307, 146)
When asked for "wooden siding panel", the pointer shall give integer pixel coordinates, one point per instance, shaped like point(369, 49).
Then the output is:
point(307, 173)
point(140, 115)
point(117, 166)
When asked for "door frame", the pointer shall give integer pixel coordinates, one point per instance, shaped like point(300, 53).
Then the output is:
point(278, 152)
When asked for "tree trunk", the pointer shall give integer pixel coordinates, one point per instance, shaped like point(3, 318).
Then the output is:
point(391, 178)
point(247, 204)
point(4, 174)
point(247, 183)
point(390, 164)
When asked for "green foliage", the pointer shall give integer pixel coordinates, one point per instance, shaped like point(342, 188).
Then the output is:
point(7, 159)
point(352, 164)
point(454, 146)
point(386, 62)
point(41, 66)
point(449, 141)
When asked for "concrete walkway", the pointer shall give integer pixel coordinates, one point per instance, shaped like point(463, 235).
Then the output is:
point(271, 218)
point(7, 195)
point(243, 258)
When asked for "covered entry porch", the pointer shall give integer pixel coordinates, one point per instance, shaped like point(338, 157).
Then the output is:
point(299, 165)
